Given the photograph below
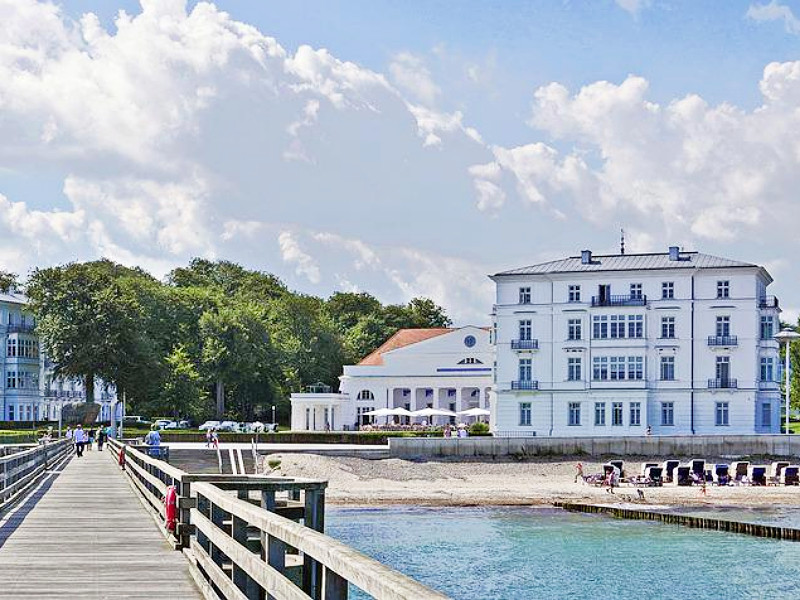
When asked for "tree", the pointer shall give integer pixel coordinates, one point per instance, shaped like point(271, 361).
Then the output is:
point(424, 312)
point(8, 282)
point(86, 321)
point(183, 392)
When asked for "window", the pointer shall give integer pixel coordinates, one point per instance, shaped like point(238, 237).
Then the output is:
point(636, 414)
point(723, 326)
point(575, 414)
point(668, 290)
point(525, 369)
point(767, 328)
point(363, 419)
point(667, 368)
point(668, 413)
point(616, 413)
point(600, 327)
point(574, 293)
point(524, 295)
point(723, 289)
point(767, 369)
point(525, 330)
point(600, 368)
point(600, 413)
point(635, 326)
point(365, 395)
point(11, 412)
point(668, 327)
point(574, 329)
point(617, 326)
point(721, 415)
point(636, 291)
point(525, 414)
point(766, 414)
point(11, 379)
point(636, 367)
point(574, 368)
point(11, 347)
point(723, 368)
point(616, 367)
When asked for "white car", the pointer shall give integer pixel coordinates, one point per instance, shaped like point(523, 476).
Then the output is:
point(161, 423)
point(209, 425)
point(228, 426)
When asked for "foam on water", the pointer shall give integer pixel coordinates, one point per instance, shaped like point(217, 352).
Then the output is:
point(520, 553)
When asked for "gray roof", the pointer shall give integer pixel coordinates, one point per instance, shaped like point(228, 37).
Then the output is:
point(629, 262)
point(13, 298)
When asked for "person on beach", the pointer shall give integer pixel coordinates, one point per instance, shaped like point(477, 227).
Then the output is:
point(215, 439)
point(209, 437)
point(578, 472)
point(649, 431)
point(79, 436)
point(447, 431)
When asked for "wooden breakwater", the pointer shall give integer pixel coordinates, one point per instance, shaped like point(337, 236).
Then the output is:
point(754, 529)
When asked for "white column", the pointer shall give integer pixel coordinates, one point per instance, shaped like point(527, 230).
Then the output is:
point(459, 401)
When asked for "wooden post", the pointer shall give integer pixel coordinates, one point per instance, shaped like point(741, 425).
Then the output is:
point(184, 514)
point(314, 518)
point(335, 586)
point(240, 577)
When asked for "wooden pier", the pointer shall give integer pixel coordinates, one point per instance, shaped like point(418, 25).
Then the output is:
point(740, 527)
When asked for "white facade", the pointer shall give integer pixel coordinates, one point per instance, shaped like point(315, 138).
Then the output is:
point(27, 388)
point(416, 368)
point(609, 345)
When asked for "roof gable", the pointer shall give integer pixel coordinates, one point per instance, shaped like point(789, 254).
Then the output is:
point(401, 339)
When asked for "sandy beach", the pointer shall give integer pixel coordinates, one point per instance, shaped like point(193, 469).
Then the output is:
point(356, 481)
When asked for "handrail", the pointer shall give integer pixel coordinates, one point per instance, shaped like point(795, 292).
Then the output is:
point(205, 534)
point(21, 470)
point(337, 558)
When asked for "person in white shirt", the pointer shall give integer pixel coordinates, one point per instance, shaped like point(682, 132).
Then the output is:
point(80, 438)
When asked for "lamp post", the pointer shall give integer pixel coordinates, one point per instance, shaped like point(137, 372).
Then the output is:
point(787, 336)
point(273, 414)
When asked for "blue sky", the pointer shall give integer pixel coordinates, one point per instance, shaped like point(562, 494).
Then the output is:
point(400, 148)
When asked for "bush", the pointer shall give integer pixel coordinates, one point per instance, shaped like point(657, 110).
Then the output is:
point(479, 428)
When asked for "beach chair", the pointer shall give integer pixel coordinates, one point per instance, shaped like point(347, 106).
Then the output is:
point(697, 466)
point(682, 475)
point(720, 474)
point(646, 466)
point(654, 475)
point(790, 475)
point(620, 466)
point(775, 472)
point(669, 467)
point(757, 474)
point(739, 470)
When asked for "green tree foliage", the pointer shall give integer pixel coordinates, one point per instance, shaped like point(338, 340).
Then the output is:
point(8, 281)
point(214, 339)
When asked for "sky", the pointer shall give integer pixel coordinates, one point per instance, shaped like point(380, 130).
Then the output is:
point(404, 149)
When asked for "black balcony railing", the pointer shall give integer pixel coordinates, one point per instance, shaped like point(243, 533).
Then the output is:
point(723, 340)
point(525, 384)
point(768, 302)
point(619, 300)
point(722, 384)
point(20, 327)
point(524, 344)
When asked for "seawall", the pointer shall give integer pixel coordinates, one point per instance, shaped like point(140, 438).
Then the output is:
point(650, 446)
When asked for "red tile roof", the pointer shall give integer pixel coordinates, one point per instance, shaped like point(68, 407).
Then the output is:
point(403, 337)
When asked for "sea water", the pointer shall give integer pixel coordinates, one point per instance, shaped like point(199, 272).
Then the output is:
point(521, 553)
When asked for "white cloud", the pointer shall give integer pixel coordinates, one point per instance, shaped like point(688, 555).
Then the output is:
point(633, 6)
point(293, 254)
point(775, 11)
point(410, 74)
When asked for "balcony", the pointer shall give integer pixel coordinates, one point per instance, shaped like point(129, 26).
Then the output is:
point(723, 340)
point(769, 385)
point(722, 384)
point(20, 327)
point(525, 384)
point(768, 302)
point(619, 300)
point(524, 344)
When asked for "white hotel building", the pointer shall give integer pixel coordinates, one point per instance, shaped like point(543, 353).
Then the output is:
point(444, 368)
point(680, 342)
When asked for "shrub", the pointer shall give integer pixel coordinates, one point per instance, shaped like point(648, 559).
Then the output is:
point(479, 428)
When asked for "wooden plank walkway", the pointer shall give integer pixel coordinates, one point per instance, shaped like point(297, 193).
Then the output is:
point(86, 535)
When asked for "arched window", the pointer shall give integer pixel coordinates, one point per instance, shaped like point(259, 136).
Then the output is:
point(365, 395)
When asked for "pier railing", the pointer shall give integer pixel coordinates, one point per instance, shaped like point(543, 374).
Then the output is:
point(244, 547)
point(22, 468)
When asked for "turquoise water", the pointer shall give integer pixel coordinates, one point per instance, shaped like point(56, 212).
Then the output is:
point(521, 554)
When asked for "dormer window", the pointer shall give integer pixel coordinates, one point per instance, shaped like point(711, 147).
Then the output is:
point(470, 361)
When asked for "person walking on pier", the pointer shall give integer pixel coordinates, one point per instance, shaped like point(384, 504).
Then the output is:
point(80, 439)
point(101, 438)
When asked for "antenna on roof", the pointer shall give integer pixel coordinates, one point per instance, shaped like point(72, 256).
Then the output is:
point(621, 241)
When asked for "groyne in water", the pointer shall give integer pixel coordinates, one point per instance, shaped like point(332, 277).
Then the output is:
point(753, 529)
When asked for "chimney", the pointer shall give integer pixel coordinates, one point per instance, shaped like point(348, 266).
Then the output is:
point(586, 257)
point(674, 253)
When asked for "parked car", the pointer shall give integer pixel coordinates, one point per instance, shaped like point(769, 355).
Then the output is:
point(228, 426)
point(135, 420)
point(171, 425)
point(209, 425)
point(162, 423)
point(184, 424)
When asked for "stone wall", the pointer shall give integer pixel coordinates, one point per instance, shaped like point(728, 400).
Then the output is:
point(664, 446)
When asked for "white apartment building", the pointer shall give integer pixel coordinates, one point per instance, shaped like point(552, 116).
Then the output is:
point(444, 368)
point(28, 390)
point(680, 342)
